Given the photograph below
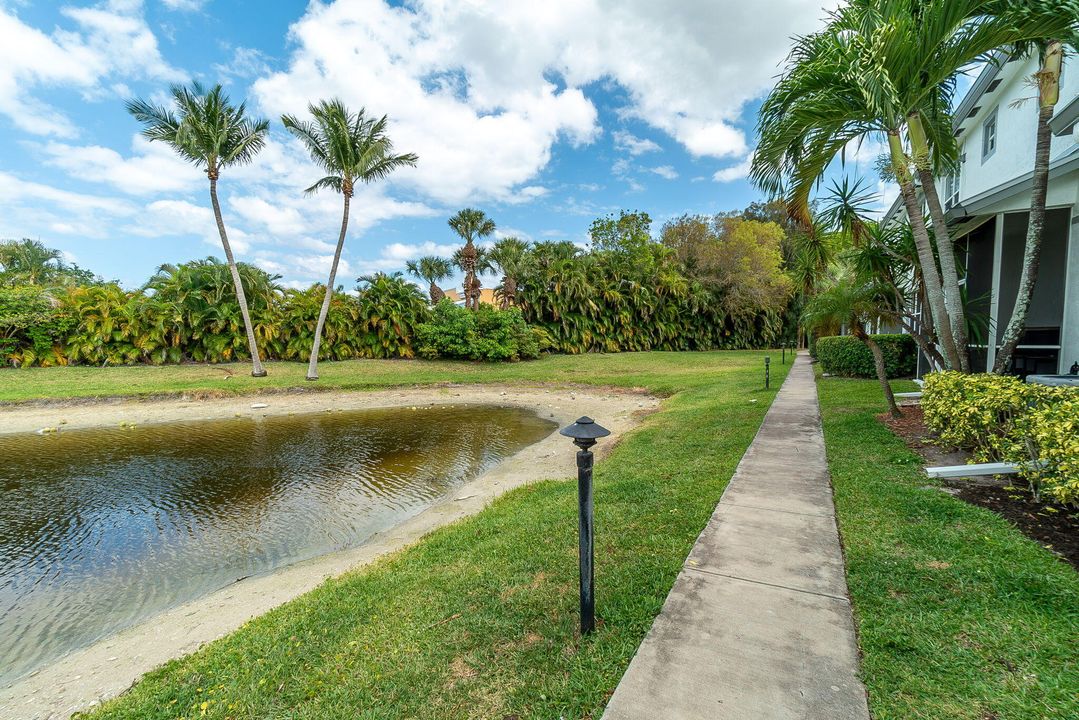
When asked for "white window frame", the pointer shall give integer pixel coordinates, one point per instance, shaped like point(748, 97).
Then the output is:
point(951, 190)
point(990, 122)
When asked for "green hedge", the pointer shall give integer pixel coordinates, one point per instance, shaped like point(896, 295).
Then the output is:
point(846, 356)
point(483, 334)
point(1002, 418)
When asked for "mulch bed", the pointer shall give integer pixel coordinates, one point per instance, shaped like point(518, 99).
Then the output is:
point(1056, 527)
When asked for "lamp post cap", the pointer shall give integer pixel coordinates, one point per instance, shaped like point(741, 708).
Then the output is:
point(585, 429)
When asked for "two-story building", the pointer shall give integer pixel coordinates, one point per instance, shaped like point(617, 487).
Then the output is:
point(988, 203)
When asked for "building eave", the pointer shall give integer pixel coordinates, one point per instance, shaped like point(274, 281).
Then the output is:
point(981, 84)
point(1061, 166)
point(1066, 117)
point(893, 210)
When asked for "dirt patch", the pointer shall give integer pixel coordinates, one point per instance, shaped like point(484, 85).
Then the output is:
point(1055, 527)
point(460, 671)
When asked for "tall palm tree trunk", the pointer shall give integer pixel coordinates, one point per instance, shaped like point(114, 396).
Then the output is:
point(256, 363)
point(878, 363)
point(435, 292)
point(1049, 94)
point(312, 364)
point(509, 291)
point(468, 257)
point(930, 274)
point(953, 299)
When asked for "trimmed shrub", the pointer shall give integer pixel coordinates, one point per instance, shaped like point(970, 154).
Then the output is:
point(483, 334)
point(973, 412)
point(999, 417)
point(1048, 434)
point(846, 356)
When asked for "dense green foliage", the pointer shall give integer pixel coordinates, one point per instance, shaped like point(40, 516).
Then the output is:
point(999, 417)
point(483, 334)
point(631, 293)
point(722, 288)
point(959, 615)
point(846, 356)
point(29, 319)
point(28, 262)
point(479, 619)
point(190, 313)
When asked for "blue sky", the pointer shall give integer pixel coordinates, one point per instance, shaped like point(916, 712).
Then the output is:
point(543, 116)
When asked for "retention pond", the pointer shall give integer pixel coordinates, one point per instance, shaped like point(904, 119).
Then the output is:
point(101, 529)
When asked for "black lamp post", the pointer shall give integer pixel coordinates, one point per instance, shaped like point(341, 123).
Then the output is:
point(585, 432)
point(767, 367)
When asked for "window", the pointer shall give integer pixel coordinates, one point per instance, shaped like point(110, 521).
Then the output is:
point(951, 191)
point(989, 136)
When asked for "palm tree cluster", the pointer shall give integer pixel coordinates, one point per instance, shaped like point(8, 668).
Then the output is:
point(205, 128)
point(723, 288)
point(29, 262)
point(189, 312)
point(627, 292)
point(886, 71)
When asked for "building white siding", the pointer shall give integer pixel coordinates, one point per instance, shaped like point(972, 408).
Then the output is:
point(988, 203)
point(1016, 127)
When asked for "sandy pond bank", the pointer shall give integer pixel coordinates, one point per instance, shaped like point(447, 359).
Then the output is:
point(107, 668)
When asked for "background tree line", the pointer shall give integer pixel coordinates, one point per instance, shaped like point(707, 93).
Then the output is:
point(704, 283)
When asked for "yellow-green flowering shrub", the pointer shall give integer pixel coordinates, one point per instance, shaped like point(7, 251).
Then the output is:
point(1048, 433)
point(1002, 418)
point(973, 412)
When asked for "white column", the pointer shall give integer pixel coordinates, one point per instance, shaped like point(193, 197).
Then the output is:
point(1069, 331)
point(994, 298)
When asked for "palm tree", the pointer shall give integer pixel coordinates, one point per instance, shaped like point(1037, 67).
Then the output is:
point(433, 270)
point(853, 302)
point(1048, 82)
point(471, 224)
point(880, 70)
point(206, 129)
point(509, 255)
point(472, 265)
point(351, 148)
point(390, 309)
point(28, 261)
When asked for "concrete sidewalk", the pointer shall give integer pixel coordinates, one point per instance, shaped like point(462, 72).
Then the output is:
point(758, 625)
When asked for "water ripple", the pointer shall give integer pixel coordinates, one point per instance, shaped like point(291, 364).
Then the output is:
point(100, 529)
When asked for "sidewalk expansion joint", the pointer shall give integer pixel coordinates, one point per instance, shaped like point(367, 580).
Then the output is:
point(702, 571)
point(788, 512)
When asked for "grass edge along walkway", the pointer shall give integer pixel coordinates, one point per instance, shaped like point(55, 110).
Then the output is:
point(959, 615)
point(758, 624)
point(478, 620)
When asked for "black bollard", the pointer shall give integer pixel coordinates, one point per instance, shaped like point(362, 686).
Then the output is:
point(767, 364)
point(584, 433)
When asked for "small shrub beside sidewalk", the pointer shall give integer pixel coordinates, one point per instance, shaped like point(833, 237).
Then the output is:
point(846, 356)
point(1000, 417)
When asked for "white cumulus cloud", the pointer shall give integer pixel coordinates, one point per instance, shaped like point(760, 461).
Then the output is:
point(632, 144)
point(108, 41)
point(481, 91)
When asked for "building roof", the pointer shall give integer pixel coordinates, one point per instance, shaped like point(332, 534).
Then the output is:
point(984, 83)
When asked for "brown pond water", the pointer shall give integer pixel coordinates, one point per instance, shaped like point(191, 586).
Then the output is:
point(101, 529)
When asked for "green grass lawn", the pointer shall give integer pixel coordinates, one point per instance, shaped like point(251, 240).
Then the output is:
point(959, 615)
point(478, 620)
point(661, 372)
